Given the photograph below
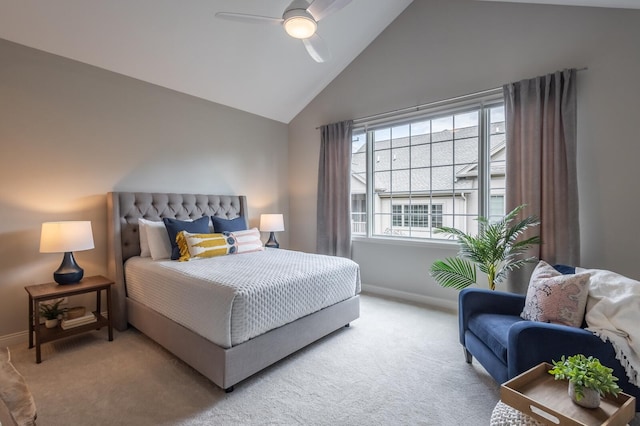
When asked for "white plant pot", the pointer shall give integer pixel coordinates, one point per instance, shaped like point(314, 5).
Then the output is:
point(590, 398)
point(50, 323)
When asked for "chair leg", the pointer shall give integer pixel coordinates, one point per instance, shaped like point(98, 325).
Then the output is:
point(467, 356)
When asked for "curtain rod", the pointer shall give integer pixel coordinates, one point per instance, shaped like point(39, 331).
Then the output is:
point(429, 104)
point(434, 103)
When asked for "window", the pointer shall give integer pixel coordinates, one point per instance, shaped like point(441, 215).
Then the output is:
point(359, 213)
point(436, 168)
point(436, 215)
point(398, 218)
point(416, 215)
point(496, 208)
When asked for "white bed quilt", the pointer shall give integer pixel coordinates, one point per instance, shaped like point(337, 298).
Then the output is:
point(230, 299)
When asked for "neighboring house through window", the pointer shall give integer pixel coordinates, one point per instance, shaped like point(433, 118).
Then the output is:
point(413, 174)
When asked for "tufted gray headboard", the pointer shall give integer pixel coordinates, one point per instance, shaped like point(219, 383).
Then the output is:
point(123, 241)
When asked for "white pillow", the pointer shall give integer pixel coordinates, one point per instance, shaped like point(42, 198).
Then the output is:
point(154, 235)
point(144, 241)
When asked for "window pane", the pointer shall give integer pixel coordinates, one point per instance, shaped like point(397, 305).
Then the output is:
point(382, 182)
point(443, 178)
point(442, 126)
point(442, 153)
point(358, 213)
point(497, 164)
point(400, 158)
point(466, 151)
point(420, 128)
point(496, 208)
point(466, 124)
point(497, 114)
point(397, 215)
point(358, 142)
point(420, 180)
point(359, 183)
point(436, 215)
point(421, 155)
point(419, 216)
point(400, 181)
point(400, 136)
point(382, 159)
point(383, 135)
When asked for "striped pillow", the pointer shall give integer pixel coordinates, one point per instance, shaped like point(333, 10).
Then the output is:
point(247, 241)
point(200, 246)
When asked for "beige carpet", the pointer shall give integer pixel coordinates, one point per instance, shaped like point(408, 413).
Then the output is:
point(399, 364)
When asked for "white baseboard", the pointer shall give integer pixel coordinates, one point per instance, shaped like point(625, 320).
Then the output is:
point(21, 337)
point(448, 305)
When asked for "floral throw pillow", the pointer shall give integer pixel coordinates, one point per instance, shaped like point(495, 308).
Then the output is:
point(556, 298)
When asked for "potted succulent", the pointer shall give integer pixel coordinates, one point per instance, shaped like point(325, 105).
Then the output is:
point(51, 313)
point(588, 379)
point(496, 250)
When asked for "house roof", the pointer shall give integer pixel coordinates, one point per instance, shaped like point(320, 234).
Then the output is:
point(426, 163)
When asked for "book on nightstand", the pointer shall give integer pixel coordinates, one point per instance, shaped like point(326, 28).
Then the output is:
point(85, 319)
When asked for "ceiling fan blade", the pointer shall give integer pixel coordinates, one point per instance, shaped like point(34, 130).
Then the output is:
point(317, 48)
point(322, 8)
point(251, 19)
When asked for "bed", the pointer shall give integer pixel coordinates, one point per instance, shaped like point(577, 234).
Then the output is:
point(224, 362)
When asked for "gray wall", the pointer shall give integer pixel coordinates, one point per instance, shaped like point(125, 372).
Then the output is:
point(69, 133)
point(441, 49)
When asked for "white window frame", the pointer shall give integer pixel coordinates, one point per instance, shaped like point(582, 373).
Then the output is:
point(483, 102)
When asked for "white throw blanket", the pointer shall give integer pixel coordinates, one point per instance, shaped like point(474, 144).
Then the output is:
point(613, 313)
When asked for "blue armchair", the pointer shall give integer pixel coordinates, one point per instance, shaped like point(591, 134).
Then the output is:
point(492, 331)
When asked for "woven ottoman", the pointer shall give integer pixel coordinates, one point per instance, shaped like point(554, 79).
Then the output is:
point(505, 415)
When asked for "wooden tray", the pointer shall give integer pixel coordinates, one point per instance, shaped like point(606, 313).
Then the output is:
point(537, 394)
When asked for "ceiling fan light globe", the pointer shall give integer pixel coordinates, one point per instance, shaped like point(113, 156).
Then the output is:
point(299, 24)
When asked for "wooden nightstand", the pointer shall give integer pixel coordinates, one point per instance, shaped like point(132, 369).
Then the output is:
point(42, 292)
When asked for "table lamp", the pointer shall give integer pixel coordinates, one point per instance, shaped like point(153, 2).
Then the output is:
point(66, 237)
point(271, 223)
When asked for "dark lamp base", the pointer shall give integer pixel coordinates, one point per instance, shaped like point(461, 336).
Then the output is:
point(272, 243)
point(69, 272)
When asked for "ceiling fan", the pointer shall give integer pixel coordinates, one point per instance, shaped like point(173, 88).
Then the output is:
point(299, 20)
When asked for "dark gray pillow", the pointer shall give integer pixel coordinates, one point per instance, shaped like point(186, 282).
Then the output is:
point(228, 225)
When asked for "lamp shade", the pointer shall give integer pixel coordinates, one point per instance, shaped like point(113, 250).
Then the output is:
point(271, 222)
point(61, 237)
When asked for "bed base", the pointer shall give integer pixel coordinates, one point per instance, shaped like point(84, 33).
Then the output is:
point(227, 367)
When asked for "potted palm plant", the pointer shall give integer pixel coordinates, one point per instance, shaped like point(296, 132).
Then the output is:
point(588, 379)
point(496, 250)
point(51, 313)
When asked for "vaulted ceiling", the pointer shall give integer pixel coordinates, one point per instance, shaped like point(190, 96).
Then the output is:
point(180, 44)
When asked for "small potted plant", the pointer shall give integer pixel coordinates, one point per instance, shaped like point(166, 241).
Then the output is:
point(51, 313)
point(588, 379)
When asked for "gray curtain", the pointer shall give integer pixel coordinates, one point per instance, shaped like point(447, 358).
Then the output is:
point(334, 192)
point(541, 161)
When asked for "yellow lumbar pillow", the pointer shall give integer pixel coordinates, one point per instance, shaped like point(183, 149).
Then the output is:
point(200, 246)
